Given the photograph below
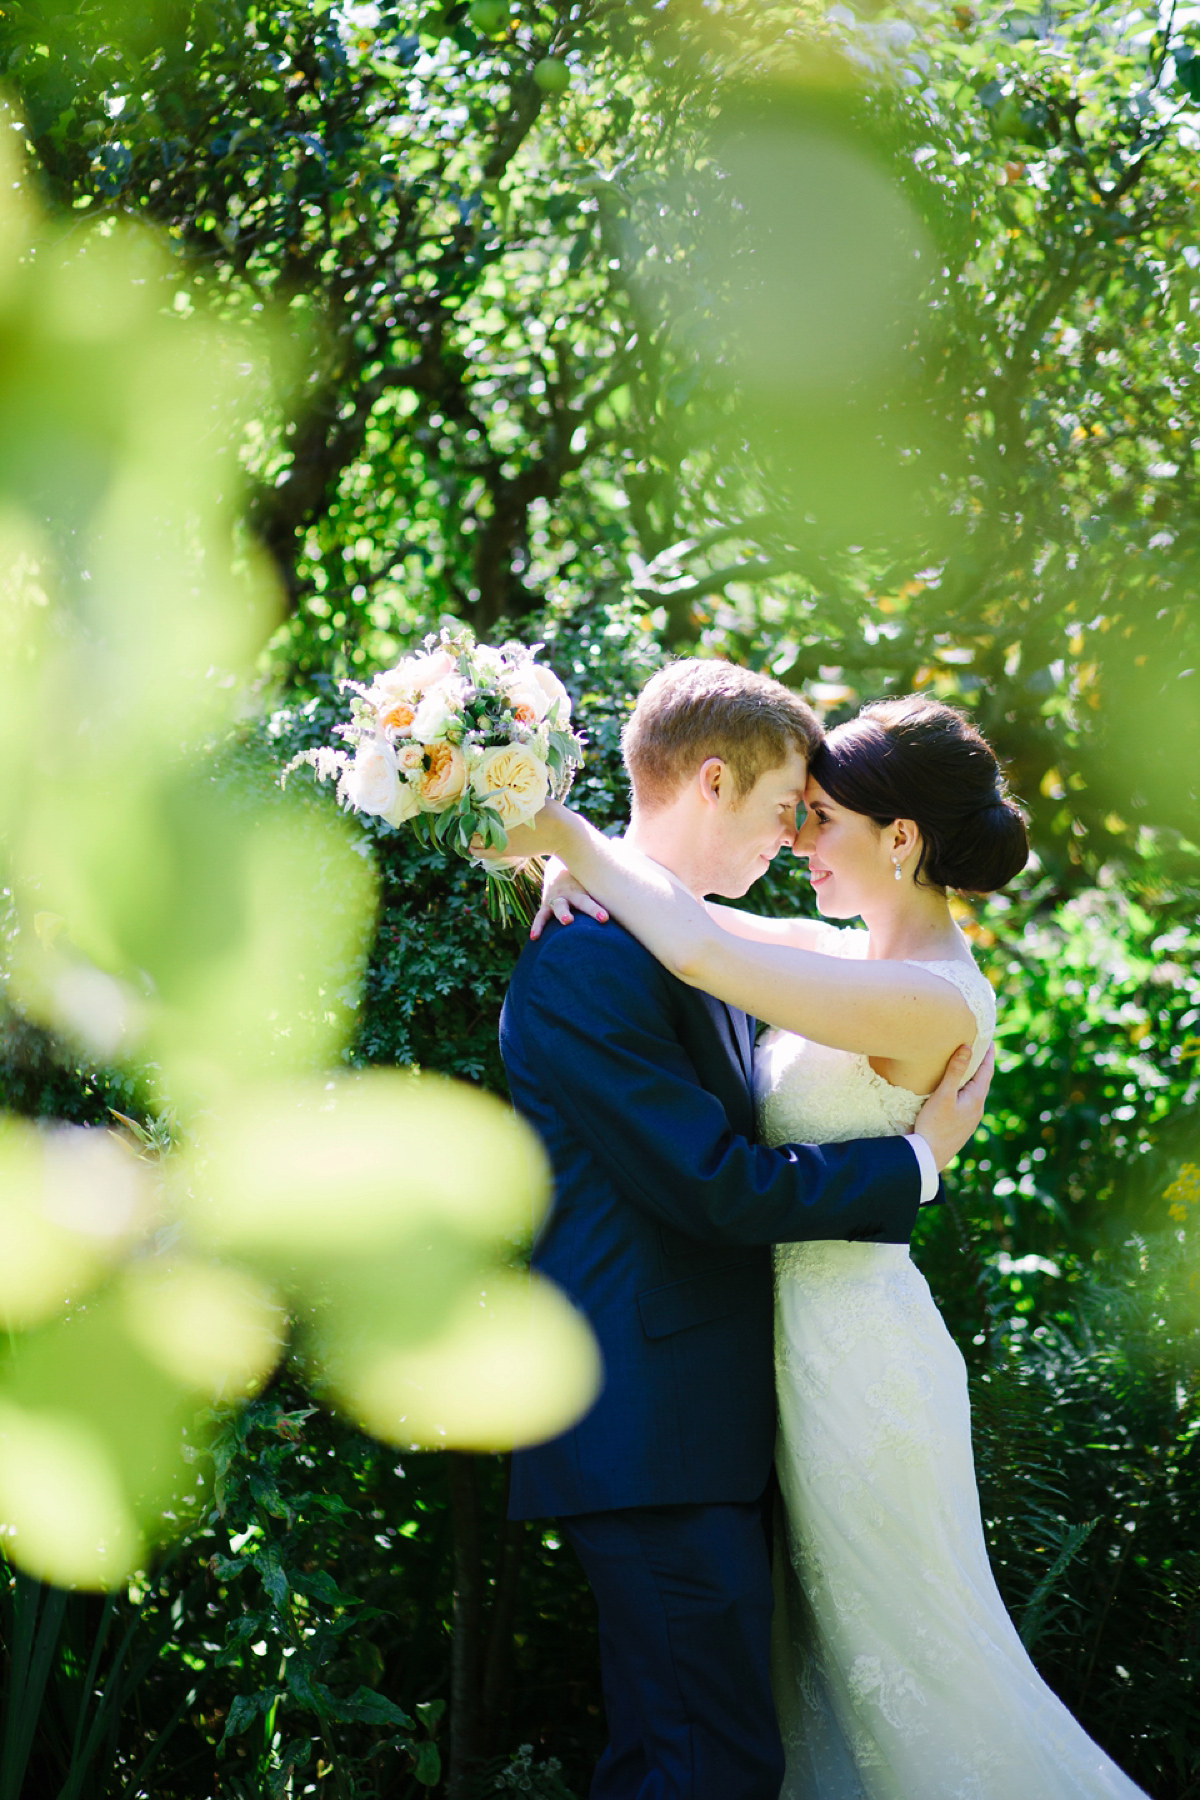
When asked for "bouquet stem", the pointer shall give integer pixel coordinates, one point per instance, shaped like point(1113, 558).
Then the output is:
point(514, 895)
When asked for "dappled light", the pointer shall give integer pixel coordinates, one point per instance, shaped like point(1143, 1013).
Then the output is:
point(168, 917)
point(524, 346)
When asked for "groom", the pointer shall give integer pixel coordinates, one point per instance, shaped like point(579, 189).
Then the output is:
point(665, 1211)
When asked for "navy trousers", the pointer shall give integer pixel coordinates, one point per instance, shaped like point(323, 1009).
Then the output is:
point(685, 1603)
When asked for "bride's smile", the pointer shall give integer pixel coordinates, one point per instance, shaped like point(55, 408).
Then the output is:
point(853, 862)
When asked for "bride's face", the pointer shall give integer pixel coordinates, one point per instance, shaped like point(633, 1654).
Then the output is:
point(849, 860)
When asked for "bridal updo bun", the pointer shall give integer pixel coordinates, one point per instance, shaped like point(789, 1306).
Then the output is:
point(918, 759)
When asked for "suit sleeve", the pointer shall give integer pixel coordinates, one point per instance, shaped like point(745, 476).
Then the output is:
point(598, 1028)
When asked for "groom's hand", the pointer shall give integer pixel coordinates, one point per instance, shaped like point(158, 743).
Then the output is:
point(950, 1116)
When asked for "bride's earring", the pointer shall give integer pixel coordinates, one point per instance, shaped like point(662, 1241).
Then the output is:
point(898, 869)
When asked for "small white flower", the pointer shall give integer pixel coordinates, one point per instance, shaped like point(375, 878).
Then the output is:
point(439, 711)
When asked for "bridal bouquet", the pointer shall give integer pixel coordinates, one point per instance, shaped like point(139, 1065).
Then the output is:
point(463, 742)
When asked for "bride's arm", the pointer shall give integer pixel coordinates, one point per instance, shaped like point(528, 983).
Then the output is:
point(563, 896)
point(884, 1009)
point(800, 934)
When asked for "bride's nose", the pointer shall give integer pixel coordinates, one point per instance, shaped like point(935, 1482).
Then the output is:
point(802, 843)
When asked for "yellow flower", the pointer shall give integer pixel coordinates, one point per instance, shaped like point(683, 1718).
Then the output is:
point(443, 778)
point(513, 782)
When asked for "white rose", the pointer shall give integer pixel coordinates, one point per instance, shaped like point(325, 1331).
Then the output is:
point(513, 782)
point(406, 805)
point(392, 685)
point(371, 781)
point(425, 672)
point(554, 690)
point(526, 697)
point(439, 710)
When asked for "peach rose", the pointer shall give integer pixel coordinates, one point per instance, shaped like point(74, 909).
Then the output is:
point(526, 698)
point(513, 782)
point(398, 714)
point(444, 777)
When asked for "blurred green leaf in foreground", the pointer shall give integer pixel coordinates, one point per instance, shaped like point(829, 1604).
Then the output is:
point(167, 917)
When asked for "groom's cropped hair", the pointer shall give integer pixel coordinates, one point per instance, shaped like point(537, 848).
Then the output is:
point(697, 708)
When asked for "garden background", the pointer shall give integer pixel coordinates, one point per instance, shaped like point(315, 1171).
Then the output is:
point(857, 348)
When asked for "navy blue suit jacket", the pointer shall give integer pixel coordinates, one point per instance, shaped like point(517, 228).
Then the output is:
point(664, 1212)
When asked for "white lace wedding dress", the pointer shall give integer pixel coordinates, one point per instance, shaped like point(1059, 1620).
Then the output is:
point(898, 1673)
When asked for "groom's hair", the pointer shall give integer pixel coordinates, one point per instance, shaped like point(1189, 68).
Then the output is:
point(694, 709)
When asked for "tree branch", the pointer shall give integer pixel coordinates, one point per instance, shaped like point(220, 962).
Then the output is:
point(764, 569)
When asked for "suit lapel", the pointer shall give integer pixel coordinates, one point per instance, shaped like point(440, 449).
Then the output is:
point(739, 1032)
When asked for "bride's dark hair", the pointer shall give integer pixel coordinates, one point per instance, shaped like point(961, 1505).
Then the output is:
point(918, 759)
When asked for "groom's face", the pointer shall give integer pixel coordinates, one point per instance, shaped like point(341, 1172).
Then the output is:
point(748, 832)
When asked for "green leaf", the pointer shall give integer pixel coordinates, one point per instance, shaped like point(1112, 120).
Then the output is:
point(245, 1710)
point(313, 1695)
point(272, 1575)
point(320, 1585)
point(429, 1765)
point(266, 1492)
point(1187, 70)
point(367, 1707)
point(225, 1568)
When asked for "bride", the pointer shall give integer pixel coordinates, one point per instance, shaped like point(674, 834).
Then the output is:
point(898, 1673)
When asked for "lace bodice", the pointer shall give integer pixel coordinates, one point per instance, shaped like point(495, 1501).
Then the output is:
point(809, 1094)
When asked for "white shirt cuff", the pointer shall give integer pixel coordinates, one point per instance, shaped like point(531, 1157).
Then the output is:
point(930, 1180)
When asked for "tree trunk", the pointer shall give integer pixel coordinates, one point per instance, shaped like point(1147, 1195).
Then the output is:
point(498, 1662)
point(467, 1655)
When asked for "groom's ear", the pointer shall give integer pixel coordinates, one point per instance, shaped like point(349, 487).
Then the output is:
point(713, 778)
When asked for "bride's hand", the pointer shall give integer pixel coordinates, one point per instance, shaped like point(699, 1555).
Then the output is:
point(543, 836)
point(561, 892)
point(949, 1117)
